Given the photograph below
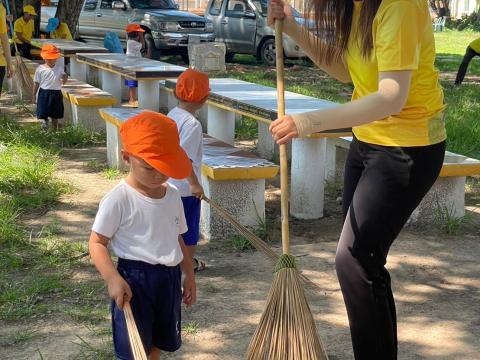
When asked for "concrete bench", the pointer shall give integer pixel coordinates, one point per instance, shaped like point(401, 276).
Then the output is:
point(446, 195)
point(231, 96)
point(82, 102)
point(234, 178)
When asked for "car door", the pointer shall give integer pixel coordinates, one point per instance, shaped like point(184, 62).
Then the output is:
point(215, 14)
point(239, 26)
point(86, 21)
point(111, 20)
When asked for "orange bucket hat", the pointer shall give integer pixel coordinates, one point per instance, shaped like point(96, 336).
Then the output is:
point(192, 86)
point(49, 52)
point(134, 28)
point(153, 137)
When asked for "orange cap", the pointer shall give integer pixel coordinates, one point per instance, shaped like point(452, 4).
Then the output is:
point(49, 52)
point(153, 137)
point(192, 86)
point(134, 28)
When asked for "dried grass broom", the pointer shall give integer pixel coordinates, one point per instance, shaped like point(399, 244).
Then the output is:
point(287, 329)
point(136, 344)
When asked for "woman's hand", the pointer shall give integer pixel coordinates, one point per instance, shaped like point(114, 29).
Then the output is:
point(284, 129)
point(278, 10)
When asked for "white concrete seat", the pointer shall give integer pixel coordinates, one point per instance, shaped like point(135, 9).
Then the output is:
point(233, 178)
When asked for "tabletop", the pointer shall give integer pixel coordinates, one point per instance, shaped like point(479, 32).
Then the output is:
point(132, 67)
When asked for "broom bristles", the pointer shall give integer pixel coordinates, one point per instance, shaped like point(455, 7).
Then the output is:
point(136, 344)
point(287, 330)
point(23, 78)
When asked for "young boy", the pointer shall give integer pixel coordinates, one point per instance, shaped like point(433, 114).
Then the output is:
point(135, 44)
point(192, 91)
point(143, 219)
point(48, 81)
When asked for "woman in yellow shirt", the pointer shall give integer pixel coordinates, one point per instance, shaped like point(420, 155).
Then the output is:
point(23, 31)
point(5, 58)
point(387, 49)
point(473, 49)
point(58, 30)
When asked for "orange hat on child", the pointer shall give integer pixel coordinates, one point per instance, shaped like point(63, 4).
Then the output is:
point(192, 86)
point(49, 52)
point(134, 28)
point(153, 137)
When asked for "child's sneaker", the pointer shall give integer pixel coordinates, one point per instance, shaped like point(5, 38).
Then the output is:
point(44, 125)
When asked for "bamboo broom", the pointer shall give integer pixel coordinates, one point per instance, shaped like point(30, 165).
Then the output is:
point(136, 344)
point(22, 75)
point(287, 329)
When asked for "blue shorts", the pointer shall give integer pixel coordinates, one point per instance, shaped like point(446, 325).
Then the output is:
point(156, 301)
point(131, 83)
point(191, 207)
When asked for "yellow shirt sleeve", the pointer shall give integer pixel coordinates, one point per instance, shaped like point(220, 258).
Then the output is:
point(475, 45)
point(65, 32)
point(397, 37)
point(19, 25)
point(3, 20)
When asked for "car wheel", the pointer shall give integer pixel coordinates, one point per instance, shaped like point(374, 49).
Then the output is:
point(151, 48)
point(267, 52)
point(229, 56)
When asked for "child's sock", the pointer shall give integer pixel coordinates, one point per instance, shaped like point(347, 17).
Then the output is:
point(44, 124)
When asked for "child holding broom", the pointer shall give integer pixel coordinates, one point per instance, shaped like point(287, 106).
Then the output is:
point(192, 91)
point(48, 81)
point(143, 219)
point(387, 49)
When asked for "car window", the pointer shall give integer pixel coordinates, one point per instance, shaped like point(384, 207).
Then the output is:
point(106, 4)
point(216, 7)
point(236, 8)
point(90, 5)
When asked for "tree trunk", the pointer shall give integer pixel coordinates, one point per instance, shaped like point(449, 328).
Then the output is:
point(68, 11)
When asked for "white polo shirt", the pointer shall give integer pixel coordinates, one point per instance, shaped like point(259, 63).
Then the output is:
point(142, 228)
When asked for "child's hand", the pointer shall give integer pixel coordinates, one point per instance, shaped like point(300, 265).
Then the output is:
point(64, 78)
point(119, 290)
point(196, 190)
point(189, 291)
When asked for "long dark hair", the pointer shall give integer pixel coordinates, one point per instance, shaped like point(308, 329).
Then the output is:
point(333, 21)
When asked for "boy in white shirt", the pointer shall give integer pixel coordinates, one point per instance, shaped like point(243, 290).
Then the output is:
point(192, 91)
point(48, 81)
point(143, 219)
point(135, 44)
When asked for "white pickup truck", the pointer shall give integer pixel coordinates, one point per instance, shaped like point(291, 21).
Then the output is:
point(167, 29)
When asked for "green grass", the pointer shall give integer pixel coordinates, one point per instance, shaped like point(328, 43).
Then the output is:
point(191, 328)
point(246, 129)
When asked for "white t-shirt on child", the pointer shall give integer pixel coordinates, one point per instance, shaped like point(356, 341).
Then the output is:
point(134, 48)
point(142, 228)
point(50, 78)
point(191, 140)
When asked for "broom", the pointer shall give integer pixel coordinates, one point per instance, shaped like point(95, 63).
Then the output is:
point(22, 75)
point(135, 341)
point(287, 329)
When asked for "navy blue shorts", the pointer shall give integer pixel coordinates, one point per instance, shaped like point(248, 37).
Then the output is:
point(131, 83)
point(156, 307)
point(191, 207)
point(49, 104)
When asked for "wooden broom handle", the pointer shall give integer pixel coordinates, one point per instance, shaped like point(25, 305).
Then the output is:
point(283, 148)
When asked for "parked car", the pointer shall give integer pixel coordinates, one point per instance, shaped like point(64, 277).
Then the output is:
point(242, 25)
point(167, 29)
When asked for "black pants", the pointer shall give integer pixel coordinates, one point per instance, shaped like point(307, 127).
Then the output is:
point(462, 70)
point(383, 185)
point(2, 77)
point(24, 50)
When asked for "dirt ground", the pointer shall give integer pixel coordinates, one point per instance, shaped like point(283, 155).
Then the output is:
point(436, 280)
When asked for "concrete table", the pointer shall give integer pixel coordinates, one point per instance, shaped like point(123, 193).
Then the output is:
point(309, 155)
point(69, 48)
point(147, 72)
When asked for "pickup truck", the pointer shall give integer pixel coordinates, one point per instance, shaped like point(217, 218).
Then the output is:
point(242, 26)
point(167, 29)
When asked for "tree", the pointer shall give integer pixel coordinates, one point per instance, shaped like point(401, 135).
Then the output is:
point(68, 11)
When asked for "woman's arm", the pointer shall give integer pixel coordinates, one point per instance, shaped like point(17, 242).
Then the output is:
point(392, 94)
point(306, 40)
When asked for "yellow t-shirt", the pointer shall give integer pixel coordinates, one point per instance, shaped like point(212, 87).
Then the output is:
point(26, 28)
point(403, 40)
point(3, 30)
point(475, 45)
point(63, 32)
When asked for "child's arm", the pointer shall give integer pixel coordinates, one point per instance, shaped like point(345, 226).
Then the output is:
point(34, 92)
point(118, 288)
point(195, 187)
point(64, 78)
point(189, 286)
